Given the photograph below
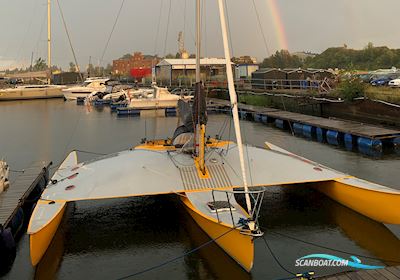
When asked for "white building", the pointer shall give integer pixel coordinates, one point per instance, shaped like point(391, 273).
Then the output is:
point(182, 71)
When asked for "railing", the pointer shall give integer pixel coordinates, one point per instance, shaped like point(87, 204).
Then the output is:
point(320, 86)
point(256, 198)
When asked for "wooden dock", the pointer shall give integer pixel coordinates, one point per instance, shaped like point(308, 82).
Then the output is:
point(342, 126)
point(387, 273)
point(15, 196)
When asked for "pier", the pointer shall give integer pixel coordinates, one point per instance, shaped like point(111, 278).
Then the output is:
point(16, 195)
point(387, 273)
point(16, 204)
point(368, 139)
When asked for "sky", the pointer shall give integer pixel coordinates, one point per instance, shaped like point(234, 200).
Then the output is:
point(296, 25)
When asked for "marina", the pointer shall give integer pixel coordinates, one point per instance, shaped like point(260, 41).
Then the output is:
point(155, 181)
point(334, 224)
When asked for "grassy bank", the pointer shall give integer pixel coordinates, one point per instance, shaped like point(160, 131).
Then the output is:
point(387, 94)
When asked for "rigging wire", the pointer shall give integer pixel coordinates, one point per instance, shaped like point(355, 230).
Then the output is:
point(112, 31)
point(25, 35)
point(69, 40)
point(158, 28)
point(229, 28)
point(205, 27)
point(261, 29)
point(184, 20)
point(40, 34)
point(166, 33)
point(276, 259)
point(177, 257)
point(80, 151)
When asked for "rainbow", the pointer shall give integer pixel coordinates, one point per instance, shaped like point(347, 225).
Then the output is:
point(273, 8)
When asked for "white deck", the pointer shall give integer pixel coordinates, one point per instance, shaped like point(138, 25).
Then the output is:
point(199, 201)
point(142, 172)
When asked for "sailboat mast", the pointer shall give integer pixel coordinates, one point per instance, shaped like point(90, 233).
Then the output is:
point(233, 98)
point(49, 40)
point(200, 127)
point(198, 39)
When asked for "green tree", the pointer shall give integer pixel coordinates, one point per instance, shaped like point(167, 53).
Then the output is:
point(282, 59)
point(72, 67)
point(40, 65)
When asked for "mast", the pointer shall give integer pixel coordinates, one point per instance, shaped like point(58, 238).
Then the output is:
point(49, 40)
point(198, 38)
point(200, 127)
point(233, 98)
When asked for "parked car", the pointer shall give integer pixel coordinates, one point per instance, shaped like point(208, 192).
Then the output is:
point(382, 80)
point(394, 83)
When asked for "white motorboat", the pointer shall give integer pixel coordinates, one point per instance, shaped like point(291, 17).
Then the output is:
point(84, 90)
point(31, 92)
point(4, 171)
point(113, 92)
point(155, 98)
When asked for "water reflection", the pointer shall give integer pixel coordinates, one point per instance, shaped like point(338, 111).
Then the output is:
point(370, 235)
point(114, 238)
point(218, 263)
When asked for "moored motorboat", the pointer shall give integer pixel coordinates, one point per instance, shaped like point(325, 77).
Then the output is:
point(89, 86)
point(156, 98)
point(114, 92)
point(27, 92)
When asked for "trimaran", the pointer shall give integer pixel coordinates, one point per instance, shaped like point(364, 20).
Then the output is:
point(206, 173)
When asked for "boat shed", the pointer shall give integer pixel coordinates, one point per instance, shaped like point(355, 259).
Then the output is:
point(269, 74)
point(264, 78)
point(245, 70)
point(177, 71)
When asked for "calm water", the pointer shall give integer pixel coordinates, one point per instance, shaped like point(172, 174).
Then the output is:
point(114, 238)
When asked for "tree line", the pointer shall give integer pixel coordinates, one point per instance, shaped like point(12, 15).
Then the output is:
point(369, 58)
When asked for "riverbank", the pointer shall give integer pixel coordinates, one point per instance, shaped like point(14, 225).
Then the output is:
point(365, 109)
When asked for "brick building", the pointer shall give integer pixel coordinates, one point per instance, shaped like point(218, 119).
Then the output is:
point(127, 66)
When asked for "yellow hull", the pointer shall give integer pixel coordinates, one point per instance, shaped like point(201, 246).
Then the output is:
point(40, 240)
point(377, 205)
point(238, 246)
